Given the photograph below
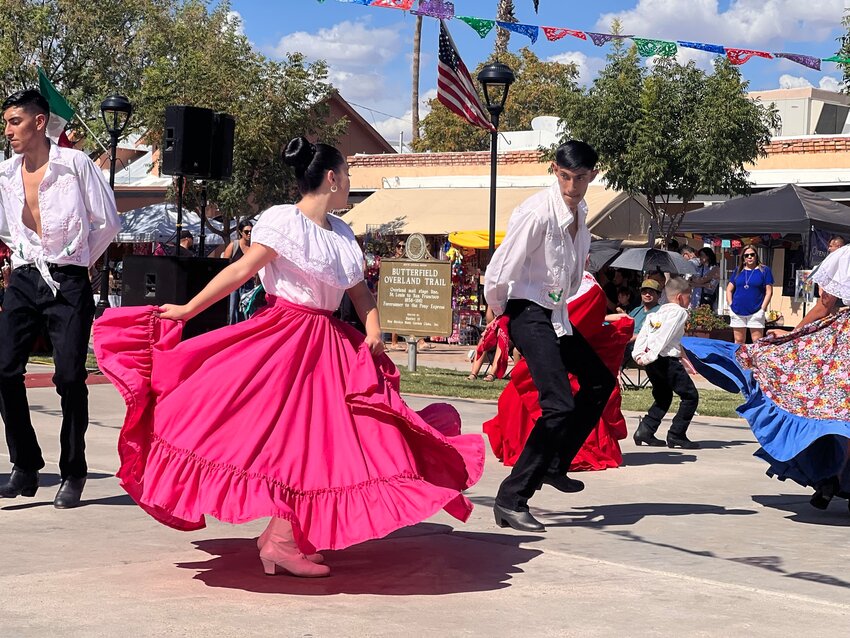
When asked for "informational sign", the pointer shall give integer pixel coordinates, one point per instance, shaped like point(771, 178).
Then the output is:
point(415, 297)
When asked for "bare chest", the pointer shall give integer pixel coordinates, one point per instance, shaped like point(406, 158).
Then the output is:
point(31, 216)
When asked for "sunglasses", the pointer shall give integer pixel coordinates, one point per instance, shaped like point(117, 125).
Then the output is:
point(246, 232)
point(749, 255)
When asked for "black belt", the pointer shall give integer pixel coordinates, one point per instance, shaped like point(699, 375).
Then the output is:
point(68, 269)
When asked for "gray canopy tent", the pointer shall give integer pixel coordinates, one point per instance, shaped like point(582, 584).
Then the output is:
point(788, 210)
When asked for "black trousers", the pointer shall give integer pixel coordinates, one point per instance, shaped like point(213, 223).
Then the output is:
point(566, 420)
point(29, 306)
point(668, 376)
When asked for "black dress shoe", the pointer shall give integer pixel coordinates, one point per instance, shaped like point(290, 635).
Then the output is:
point(682, 441)
point(520, 520)
point(69, 493)
point(20, 483)
point(643, 436)
point(563, 483)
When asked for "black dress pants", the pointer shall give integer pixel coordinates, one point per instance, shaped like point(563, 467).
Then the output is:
point(668, 376)
point(566, 420)
point(28, 306)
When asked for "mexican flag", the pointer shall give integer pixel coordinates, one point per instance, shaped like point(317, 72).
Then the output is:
point(60, 111)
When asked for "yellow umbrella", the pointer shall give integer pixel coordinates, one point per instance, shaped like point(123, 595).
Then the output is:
point(474, 238)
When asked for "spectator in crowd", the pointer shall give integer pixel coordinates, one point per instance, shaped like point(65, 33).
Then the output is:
point(650, 291)
point(625, 302)
point(234, 252)
point(748, 296)
point(707, 280)
point(835, 242)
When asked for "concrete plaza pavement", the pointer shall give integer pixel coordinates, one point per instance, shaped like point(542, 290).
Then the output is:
point(674, 543)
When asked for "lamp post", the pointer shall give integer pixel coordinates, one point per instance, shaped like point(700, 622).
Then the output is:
point(496, 80)
point(116, 111)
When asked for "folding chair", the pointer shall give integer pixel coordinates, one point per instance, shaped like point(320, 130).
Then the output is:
point(628, 383)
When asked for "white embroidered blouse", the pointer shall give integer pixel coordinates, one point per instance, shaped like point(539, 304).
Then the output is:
point(315, 266)
point(833, 274)
point(78, 215)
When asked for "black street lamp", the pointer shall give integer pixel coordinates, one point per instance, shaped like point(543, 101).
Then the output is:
point(116, 111)
point(496, 80)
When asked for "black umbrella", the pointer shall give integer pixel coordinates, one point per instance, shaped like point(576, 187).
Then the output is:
point(652, 259)
point(601, 252)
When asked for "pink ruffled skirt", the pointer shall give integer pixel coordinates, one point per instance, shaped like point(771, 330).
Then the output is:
point(286, 415)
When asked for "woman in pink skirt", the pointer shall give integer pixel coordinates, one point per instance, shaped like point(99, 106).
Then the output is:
point(293, 414)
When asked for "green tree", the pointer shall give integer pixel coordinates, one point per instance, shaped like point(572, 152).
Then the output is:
point(205, 60)
point(539, 89)
point(162, 52)
point(87, 50)
point(844, 51)
point(669, 132)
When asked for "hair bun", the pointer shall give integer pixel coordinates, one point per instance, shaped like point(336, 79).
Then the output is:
point(299, 153)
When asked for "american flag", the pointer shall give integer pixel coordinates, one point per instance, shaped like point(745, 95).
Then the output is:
point(455, 89)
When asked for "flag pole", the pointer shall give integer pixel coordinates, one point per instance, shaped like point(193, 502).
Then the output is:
point(99, 143)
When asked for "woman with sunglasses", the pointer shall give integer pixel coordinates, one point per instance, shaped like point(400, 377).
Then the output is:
point(234, 252)
point(748, 296)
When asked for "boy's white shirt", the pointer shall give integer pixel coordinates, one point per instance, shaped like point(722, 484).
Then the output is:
point(661, 334)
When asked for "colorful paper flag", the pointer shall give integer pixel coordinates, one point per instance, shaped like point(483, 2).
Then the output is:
point(711, 48)
point(404, 5)
point(556, 33)
point(739, 56)
point(805, 60)
point(481, 26)
point(435, 9)
point(528, 30)
point(648, 48)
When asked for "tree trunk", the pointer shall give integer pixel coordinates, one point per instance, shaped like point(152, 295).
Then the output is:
point(414, 93)
point(504, 13)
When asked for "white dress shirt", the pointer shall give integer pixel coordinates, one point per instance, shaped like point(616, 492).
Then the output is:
point(661, 334)
point(538, 260)
point(78, 214)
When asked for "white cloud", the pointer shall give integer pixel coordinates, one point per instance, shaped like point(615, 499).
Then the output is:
point(745, 24)
point(787, 81)
point(391, 127)
point(234, 21)
point(347, 45)
point(358, 57)
point(829, 83)
point(588, 67)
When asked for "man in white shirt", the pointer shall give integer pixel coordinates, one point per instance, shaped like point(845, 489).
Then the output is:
point(537, 267)
point(57, 214)
point(658, 348)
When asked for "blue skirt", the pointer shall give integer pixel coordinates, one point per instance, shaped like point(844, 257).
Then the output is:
point(790, 385)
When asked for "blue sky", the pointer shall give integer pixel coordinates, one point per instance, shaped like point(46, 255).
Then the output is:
point(369, 49)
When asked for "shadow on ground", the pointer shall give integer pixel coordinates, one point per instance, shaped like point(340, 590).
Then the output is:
point(631, 513)
point(802, 512)
point(773, 564)
point(661, 457)
point(424, 560)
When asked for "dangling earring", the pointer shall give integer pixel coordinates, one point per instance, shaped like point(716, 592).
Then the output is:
point(334, 188)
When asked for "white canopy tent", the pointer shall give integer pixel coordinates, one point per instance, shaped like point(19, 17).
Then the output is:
point(158, 222)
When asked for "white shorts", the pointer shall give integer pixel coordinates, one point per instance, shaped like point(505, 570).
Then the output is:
point(755, 320)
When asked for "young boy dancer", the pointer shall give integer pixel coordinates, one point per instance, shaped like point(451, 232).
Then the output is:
point(658, 348)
